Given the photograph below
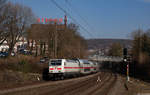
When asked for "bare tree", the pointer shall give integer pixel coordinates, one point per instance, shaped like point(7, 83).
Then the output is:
point(141, 46)
point(19, 19)
point(3, 20)
point(115, 50)
point(69, 42)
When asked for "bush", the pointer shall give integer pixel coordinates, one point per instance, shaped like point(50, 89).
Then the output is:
point(26, 64)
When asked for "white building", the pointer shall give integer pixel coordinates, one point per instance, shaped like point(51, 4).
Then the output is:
point(22, 41)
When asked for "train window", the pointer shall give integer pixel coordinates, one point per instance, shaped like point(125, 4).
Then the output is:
point(56, 62)
point(94, 63)
point(86, 62)
point(72, 61)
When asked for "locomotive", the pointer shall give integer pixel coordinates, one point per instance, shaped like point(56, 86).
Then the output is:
point(62, 68)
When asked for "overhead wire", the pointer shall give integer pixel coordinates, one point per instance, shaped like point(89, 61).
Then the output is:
point(62, 9)
point(77, 12)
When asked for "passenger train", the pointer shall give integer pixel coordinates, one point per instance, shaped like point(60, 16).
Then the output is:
point(62, 68)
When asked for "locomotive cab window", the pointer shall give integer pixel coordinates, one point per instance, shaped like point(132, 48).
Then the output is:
point(56, 62)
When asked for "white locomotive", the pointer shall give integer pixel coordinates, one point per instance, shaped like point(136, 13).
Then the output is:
point(60, 68)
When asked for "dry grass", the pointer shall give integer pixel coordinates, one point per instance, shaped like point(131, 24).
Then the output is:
point(26, 64)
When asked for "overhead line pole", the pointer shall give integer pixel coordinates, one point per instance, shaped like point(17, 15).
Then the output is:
point(55, 40)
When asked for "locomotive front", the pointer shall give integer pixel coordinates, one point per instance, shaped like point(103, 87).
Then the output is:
point(56, 68)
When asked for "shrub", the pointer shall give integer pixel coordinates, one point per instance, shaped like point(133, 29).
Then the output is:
point(26, 64)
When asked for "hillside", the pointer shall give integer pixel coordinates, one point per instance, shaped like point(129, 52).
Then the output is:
point(105, 43)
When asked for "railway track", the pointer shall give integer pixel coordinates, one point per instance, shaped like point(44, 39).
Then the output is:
point(87, 85)
point(76, 88)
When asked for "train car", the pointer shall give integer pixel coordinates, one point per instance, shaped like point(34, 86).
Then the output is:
point(97, 66)
point(85, 66)
point(93, 67)
point(60, 68)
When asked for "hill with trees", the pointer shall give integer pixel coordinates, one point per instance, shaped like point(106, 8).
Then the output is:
point(104, 43)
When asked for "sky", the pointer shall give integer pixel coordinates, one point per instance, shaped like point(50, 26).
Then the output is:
point(101, 18)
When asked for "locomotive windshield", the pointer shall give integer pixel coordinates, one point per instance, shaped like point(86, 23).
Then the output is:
point(56, 62)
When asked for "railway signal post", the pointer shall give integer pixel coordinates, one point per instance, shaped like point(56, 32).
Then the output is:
point(126, 62)
point(128, 78)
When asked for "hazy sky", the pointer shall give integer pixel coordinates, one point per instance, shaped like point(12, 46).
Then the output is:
point(107, 18)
